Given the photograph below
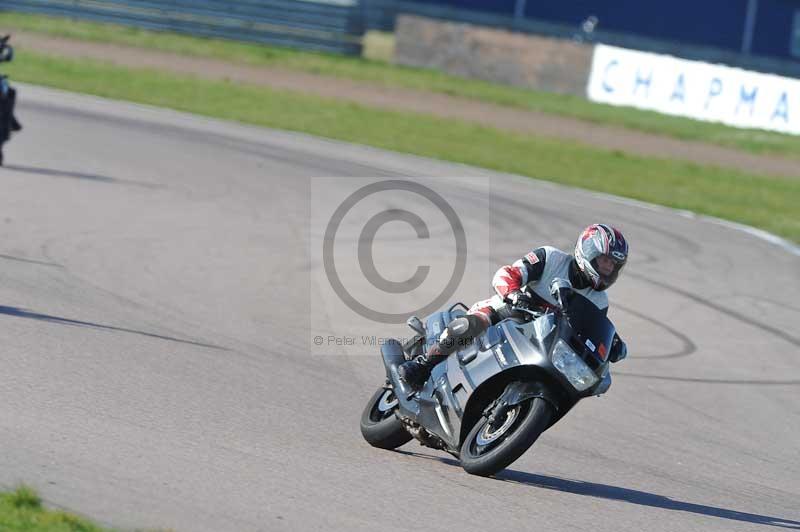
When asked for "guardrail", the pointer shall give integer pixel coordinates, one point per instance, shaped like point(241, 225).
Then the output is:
point(325, 26)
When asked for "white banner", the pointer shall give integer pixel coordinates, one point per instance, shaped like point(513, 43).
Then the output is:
point(703, 91)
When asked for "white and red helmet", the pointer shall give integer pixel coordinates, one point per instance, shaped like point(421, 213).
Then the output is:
point(596, 240)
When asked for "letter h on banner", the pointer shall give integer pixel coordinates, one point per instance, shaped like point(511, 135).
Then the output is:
point(643, 82)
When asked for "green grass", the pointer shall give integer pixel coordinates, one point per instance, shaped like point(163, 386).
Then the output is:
point(385, 74)
point(21, 510)
point(763, 201)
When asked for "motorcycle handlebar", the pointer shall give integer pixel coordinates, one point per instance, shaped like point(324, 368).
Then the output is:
point(509, 311)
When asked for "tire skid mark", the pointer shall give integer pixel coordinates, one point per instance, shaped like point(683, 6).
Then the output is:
point(688, 348)
point(780, 333)
point(778, 304)
point(30, 261)
point(558, 215)
point(730, 313)
point(752, 382)
point(17, 312)
point(232, 143)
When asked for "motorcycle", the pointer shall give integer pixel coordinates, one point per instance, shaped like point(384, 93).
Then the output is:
point(488, 402)
point(8, 96)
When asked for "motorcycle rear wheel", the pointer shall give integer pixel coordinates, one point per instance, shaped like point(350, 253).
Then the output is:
point(379, 426)
point(488, 450)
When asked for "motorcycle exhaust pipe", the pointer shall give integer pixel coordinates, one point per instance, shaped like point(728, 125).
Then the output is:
point(392, 353)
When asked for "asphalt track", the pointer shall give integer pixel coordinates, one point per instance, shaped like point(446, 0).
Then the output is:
point(156, 282)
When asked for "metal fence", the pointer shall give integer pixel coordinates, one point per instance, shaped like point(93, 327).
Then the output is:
point(339, 25)
point(326, 26)
point(382, 15)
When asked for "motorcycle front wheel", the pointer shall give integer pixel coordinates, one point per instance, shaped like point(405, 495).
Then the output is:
point(489, 449)
point(379, 426)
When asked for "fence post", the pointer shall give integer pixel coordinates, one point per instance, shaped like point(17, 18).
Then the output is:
point(364, 24)
point(519, 10)
point(749, 26)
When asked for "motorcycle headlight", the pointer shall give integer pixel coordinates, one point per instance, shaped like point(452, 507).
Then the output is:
point(572, 367)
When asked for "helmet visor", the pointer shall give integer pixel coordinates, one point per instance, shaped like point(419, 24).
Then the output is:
point(607, 268)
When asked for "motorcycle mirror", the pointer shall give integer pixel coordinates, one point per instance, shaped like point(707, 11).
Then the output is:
point(558, 287)
point(416, 325)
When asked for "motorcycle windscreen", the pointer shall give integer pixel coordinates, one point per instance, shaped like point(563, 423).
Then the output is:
point(592, 328)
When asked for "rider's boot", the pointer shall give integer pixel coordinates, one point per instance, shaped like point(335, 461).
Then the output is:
point(15, 125)
point(415, 372)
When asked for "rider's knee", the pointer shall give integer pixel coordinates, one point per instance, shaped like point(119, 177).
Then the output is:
point(460, 332)
point(467, 326)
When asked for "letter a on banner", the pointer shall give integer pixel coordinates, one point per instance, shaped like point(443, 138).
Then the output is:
point(782, 109)
point(679, 92)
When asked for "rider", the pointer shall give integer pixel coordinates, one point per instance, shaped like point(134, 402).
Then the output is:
point(7, 55)
point(600, 254)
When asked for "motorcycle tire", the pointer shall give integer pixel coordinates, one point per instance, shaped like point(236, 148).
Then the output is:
point(379, 426)
point(487, 450)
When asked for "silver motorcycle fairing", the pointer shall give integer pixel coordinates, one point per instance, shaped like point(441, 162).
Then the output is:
point(441, 404)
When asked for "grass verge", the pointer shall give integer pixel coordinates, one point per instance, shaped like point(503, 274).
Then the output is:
point(385, 74)
point(21, 510)
point(767, 202)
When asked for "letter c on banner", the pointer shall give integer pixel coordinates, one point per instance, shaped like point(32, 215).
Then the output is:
point(714, 90)
point(609, 66)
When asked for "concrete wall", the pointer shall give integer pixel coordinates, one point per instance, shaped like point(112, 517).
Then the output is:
point(544, 63)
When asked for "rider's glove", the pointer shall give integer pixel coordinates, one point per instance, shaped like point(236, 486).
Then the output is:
point(618, 349)
point(520, 299)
